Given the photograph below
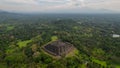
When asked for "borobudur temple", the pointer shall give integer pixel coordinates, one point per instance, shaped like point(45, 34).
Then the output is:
point(58, 48)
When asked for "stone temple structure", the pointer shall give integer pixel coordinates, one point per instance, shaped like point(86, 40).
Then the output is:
point(58, 48)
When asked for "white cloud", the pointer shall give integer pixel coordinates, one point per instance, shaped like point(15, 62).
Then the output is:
point(20, 1)
point(54, 5)
point(113, 5)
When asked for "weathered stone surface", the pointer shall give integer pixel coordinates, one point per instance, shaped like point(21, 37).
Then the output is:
point(58, 48)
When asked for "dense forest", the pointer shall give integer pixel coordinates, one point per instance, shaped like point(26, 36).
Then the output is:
point(22, 36)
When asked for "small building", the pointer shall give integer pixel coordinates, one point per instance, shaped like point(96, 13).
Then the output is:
point(58, 48)
point(116, 36)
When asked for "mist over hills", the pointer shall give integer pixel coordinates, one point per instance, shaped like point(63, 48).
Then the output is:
point(66, 11)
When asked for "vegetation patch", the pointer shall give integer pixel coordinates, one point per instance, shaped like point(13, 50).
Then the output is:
point(90, 34)
point(15, 57)
point(10, 28)
point(3, 65)
point(117, 66)
point(22, 44)
point(54, 38)
point(102, 63)
point(72, 53)
point(9, 51)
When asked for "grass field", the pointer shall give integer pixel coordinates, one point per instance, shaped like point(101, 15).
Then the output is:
point(72, 53)
point(102, 63)
point(117, 66)
point(54, 38)
point(22, 44)
point(2, 65)
point(10, 28)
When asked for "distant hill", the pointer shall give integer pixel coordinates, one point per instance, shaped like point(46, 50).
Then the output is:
point(4, 16)
point(7, 14)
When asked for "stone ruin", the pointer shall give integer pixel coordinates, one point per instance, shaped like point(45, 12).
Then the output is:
point(58, 48)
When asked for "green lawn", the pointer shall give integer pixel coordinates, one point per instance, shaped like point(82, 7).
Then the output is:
point(2, 65)
point(22, 44)
point(83, 66)
point(72, 53)
point(54, 38)
point(102, 63)
point(10, 28)
point(117, 66)
point(9, 51)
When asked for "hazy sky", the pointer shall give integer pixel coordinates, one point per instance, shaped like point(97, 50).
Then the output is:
point(60, 5)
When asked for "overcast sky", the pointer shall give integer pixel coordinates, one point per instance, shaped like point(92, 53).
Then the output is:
point(60, 5)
